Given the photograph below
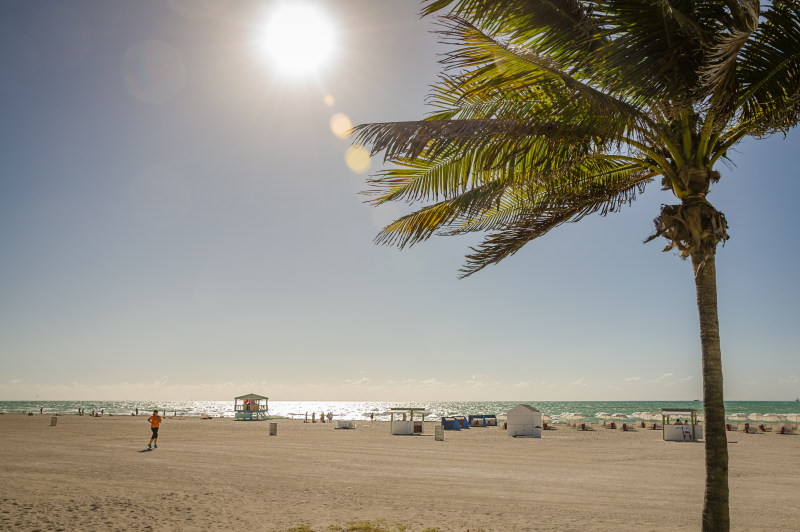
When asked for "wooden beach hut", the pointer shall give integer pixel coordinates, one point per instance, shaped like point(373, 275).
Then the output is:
point(250, 407)
point(524, 420)
point(405, 424)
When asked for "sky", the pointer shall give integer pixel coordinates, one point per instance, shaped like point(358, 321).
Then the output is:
point(178, 221)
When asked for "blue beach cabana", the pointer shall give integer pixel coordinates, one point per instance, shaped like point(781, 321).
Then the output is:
point(450, 423)
point(483, 420)
point(250, 407)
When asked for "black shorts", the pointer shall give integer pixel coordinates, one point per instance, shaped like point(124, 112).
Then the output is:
point(155, 431)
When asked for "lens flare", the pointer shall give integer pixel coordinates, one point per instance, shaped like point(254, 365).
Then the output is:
point(357, 159)
point(153, 71)
point(328, 100)
point(340, 125)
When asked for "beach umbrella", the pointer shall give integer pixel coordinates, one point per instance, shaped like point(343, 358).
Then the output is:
point(740, 416)
point(545, 418)
point(773, 418)
point(602, 415)
point(793, 417)
point(618, 415)
point(754, 417)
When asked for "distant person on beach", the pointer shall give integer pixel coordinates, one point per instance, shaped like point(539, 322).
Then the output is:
point(41, 410)
point(330, 417)
point(137, 410)
point(155, 421)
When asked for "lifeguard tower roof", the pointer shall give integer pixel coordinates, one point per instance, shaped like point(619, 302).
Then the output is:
point(251, 396)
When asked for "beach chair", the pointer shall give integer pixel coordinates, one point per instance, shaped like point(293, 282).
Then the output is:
point(205, 416)
point(728, 427)
point(762, 428)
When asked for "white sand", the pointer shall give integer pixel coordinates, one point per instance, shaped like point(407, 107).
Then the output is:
point(89, 474)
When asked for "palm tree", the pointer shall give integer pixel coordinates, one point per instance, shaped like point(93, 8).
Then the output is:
point(546, 112)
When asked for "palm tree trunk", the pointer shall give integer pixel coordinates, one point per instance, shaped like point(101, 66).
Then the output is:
point(715, 508)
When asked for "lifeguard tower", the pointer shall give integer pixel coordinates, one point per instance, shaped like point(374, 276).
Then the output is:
point(673, 429)
point(250, 407)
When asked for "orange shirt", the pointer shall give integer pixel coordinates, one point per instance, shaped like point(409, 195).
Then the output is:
point(154, 421)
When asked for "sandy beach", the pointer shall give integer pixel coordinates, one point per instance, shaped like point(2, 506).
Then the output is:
point(94, 474)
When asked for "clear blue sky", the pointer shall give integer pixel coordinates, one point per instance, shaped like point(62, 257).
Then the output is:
point(177, 221)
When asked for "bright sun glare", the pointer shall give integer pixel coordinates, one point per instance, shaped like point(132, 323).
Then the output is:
point(298, 38)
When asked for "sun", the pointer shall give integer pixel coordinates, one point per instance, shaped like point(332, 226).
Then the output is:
point(299, 38)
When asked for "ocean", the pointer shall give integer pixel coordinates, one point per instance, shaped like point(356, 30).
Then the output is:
point(379, 409)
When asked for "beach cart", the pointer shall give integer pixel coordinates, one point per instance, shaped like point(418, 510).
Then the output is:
point(250, 407)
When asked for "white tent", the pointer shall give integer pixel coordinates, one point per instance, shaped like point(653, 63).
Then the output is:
point(524, 420)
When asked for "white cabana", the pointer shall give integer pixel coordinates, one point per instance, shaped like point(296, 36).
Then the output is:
point(524, 420)
point(675, 430)
point(405, 424)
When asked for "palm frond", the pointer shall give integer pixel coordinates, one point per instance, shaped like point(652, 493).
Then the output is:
point(495, 66)
point(565, 29)
point(719, 74)
point(437, 138)
point(565, 208)
point(769, 71)
point(424, 223)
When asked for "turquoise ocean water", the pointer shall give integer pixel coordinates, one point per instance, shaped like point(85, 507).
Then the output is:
point(363, 409)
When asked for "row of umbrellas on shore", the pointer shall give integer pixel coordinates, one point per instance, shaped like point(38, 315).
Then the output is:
point(656, 416)
point(617, 416)
point(764, 418)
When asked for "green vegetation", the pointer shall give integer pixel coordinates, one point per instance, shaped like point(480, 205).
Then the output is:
point(547, 112)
